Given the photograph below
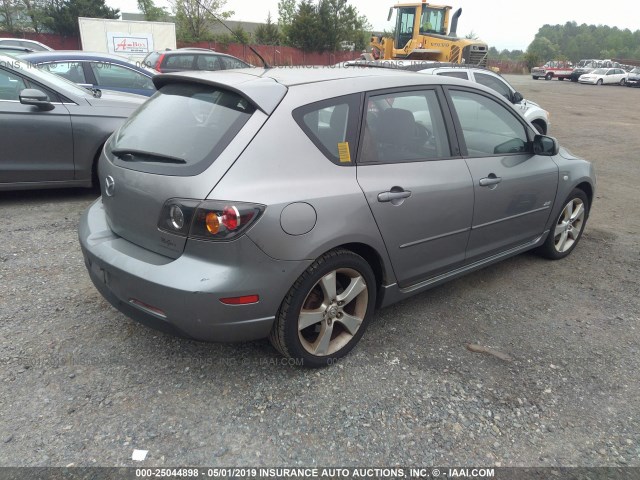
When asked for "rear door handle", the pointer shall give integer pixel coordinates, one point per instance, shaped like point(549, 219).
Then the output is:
point(490, 180)
point(391, 196)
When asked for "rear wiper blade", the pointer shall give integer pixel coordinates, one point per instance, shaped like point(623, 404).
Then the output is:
point(129, 155)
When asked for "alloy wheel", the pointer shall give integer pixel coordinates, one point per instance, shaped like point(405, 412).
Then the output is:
point(569, 226)
point(333, 312)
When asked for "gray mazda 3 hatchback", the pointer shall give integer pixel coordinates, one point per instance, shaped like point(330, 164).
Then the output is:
point(290, 203)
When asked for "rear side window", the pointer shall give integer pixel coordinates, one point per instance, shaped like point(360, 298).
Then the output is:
point(494, 84)
point(151, 59)
point(462, 75)
point(208, 62)
point(202, 122)
point(230, 63)
point(332, 126)
point(179, 61)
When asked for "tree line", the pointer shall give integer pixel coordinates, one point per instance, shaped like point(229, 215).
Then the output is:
point(575, 42)
point(321, 25)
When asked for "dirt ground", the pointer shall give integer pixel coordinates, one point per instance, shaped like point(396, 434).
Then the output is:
point(81, 384)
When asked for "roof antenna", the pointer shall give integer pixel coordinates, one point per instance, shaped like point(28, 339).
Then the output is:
point(264, 63)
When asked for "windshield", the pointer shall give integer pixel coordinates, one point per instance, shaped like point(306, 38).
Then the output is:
point(600, 71)
point(635, 70)
point(432, 21)
point(203, 121)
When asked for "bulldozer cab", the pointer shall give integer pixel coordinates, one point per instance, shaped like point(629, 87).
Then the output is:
point(421, 34)
point(405, 22)
point(433, 20)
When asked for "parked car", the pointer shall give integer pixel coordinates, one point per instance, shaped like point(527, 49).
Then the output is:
point(191, 59)
point(585, 66)
point(484, 76)
point(604, 76)
point(24, 43)
point(52, 129)
point(97, 70)
point(388, 183)
point(633, 79)
point(559, 69)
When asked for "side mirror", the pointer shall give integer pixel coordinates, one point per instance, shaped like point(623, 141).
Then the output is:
point(390, 14)
point(32, 96)
point(546, 146)
point(517, 97)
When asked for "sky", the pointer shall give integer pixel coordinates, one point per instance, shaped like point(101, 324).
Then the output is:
point(501, 24)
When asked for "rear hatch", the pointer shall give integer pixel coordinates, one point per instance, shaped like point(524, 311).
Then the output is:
point(178, 145)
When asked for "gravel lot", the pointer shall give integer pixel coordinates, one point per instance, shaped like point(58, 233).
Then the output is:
point(81, 384)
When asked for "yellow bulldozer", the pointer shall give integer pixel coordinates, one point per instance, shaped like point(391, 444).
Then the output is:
point(421, 34)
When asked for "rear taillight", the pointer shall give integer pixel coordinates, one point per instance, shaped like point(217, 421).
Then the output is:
point(159, 63)
point(208, 220)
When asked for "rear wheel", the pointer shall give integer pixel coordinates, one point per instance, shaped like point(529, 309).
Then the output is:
point(560, 78)
point(535, 78)
point(623, 81)
point(326, 310)
point(568, 227)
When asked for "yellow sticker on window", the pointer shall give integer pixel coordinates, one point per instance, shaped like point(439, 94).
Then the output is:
point(343, 152)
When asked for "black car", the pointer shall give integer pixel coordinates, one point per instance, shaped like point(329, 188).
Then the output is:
point(191, 59)
point(633, 80)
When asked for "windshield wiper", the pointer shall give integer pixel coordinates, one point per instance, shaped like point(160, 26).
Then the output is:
point(129, 155)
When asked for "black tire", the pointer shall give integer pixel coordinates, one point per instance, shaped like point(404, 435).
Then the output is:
point(548, 76)
point(535, 78)
point(623, 81)
point(599, 82)
point(561, 78)
point(351, 270)
point(554, 247)
point(574, 79)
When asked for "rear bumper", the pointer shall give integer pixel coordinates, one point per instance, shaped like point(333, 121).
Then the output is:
point(182, 296)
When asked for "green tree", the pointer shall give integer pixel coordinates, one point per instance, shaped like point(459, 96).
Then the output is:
point(268, 33)
point(286, 13)
point(61, 16)
point(152, 13)
point(194, 18)
point(543, 48)
point(35, 12)
point(304, 32)
point(11, 15)
point(241, 35)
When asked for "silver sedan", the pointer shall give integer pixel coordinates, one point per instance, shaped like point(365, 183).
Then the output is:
point(53, 130)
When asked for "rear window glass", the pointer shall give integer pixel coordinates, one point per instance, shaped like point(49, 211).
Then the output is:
point(202, 122)
point(151, 59)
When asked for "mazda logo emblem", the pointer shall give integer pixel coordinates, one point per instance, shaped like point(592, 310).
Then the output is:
point(109, 186)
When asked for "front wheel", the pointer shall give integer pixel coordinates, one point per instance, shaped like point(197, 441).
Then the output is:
point(327, 309)
point(568, 227)
point(548, 76)
point(599, 82)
